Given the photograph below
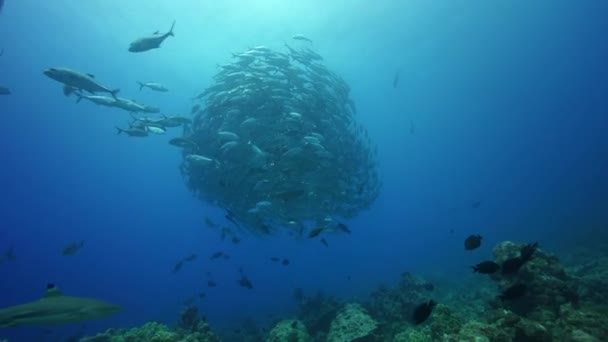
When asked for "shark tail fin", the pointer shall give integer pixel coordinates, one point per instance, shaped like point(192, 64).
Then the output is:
point(141, 85)
point(170, 33)
point(114, 92)
point(118, 130)
point(79, 97)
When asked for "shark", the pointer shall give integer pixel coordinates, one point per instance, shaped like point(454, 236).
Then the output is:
point(55, 308)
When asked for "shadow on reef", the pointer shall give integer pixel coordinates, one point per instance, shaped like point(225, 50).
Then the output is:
point(532, 298)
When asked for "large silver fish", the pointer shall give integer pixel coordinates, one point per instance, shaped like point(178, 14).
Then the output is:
point(151, 42)
point(78, 80)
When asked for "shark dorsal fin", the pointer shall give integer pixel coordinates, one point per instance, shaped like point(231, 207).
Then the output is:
point(52, 291)
point(91, 75)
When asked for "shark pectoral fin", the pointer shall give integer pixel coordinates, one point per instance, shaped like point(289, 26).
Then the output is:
point(91, 75)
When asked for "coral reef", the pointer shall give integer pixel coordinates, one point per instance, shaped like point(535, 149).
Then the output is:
point(317, 313)
point(289, 331)
point(560, 304)
point(352, 323)
point(396, 304)
point(191, 328)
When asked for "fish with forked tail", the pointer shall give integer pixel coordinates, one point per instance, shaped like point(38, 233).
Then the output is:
point(151, 42)
point(78, 80)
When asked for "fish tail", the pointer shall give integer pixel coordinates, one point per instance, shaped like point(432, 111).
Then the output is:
point(118, 130)
point(114, 92)
point(141, 85)
point(170, 33)
point(475, 268)
point(78, 97)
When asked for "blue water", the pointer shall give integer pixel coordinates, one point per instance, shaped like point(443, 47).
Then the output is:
point(509, 105)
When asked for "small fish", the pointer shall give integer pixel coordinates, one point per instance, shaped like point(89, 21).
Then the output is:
point(230, 217)
point(486, 267)
point(323, 241)
point(316, 232)
point(472, 242)
point(412, 128)
point(396, 80)
point(235, 240)
point(132, 132)
point(72, 248)
point(343, 227)
point(4, 91)
point(514, 292)
point(423, 311)
point(178, 266)
point(476, 204)
point(275, 259)
point(245, 282)
point(512, 265)
point(183, 142)
point(153, 86)
point(216, 255)
point(202, 295)
point(190, 257)
point(211, 283)
point(285, 262)
point(302, 38)
point(209, 222)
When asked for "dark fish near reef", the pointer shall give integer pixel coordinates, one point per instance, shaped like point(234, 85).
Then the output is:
point(275, 259)
point(211, 283)
point(285, 262)
point(423, 311)
point(527, 251)
point(151, 42)
point(235, 240)
point(323, 241)
point(72, 248)
point(472, 242)
point(512, 265)
point(514, 292)
point(396, 80)
point(486, 267)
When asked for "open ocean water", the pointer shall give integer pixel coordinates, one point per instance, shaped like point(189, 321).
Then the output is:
point(303, 170)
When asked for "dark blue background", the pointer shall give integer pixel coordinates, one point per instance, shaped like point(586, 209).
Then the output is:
point(508, 99)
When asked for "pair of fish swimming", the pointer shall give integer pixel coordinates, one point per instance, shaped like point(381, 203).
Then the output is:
point(78, 81)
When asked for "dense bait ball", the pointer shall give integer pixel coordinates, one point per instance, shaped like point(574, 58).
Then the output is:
point(275, 144)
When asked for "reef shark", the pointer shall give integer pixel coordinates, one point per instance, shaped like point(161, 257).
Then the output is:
point(55, 308)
